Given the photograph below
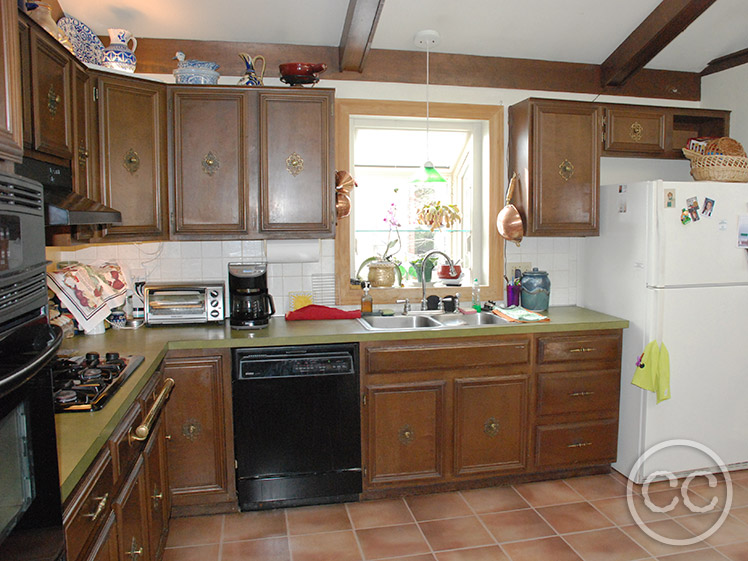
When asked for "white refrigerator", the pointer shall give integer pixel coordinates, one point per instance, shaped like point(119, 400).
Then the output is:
point(685, 285)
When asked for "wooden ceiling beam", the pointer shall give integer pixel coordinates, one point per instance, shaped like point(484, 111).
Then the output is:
point(155, 56)
point(663, 25)
point(724, 62)
point(358, 33)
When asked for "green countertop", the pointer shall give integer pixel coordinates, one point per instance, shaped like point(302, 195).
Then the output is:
point(80, 436)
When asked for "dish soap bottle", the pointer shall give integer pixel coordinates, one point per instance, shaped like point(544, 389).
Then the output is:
point(367, 304)
point(476, 296)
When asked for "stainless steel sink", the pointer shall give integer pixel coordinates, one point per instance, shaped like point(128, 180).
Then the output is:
point(418, 321)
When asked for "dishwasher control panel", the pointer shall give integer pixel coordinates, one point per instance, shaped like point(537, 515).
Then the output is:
point(288, 361)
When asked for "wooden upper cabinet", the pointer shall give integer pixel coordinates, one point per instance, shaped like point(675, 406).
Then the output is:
point(132, 131)
point(11, 121)
point(210, 162)
point(296, 173)
point(85, 153)
point(639, 130)
point(555, 149)
point(51, 80)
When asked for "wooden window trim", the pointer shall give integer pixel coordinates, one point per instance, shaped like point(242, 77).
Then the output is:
point(494, 114)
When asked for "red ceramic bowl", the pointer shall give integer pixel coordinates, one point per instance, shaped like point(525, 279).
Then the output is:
point(443, 272)
point(301, 69)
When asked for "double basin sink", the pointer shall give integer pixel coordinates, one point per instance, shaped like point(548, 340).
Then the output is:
point(419, 321)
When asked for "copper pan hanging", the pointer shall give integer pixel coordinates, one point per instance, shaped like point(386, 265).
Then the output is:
point(509, 222)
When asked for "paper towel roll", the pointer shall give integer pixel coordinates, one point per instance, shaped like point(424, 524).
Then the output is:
point(293, 251)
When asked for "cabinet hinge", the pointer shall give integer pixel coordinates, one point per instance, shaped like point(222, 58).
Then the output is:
point(363, 399)
point(95, 93)
point(236, 464)
point(365, 472)
point(604, 129)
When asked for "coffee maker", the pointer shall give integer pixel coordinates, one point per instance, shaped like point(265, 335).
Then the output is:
point(251, 304)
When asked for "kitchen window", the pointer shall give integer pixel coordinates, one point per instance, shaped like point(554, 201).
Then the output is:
point(381, 143)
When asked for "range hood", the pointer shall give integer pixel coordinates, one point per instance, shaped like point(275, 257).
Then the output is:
point(64, 207)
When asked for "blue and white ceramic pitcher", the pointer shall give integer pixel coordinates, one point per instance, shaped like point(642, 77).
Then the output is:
point(250, 77)
point(118, 55)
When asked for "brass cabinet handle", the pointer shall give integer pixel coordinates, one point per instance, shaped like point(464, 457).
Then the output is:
point(294, 164)
point(406, 435)
point(191, 429)
point(144, 429)
point(100, 506)
point(156, 497)
point(82, 155)
point(566, 169)
point(135, 551)
point(636, 131)
point(582, 350)
point(581, 394)
point(131, 161)
point(579, 445)
point(491, 427)
point(53, 101)
point(211, 163)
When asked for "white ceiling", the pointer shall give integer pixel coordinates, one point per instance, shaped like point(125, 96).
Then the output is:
point(584, 31)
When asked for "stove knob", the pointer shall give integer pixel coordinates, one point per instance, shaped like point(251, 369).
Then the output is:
point(92, 359)
point(110, 357)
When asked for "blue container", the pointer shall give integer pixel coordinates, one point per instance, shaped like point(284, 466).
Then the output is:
point(536, 290)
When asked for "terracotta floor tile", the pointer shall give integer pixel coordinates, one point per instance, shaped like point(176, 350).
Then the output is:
point(192, 553)
point(669, 530)
point(731, 530)
point(739, 475)
point(313, 519)
point(735, 552)
point(340, 546)
point(254, 525)
point(195, 530)
point(547, 493)
point(700, 555)
point(421, 557)
point(516, 525)
point(739, 493)
point(554, 549)
point(434, 507)
point(740, 513)
point(271, 549)
point(370, 514)
point(391, 541)
point(574, 517)
point(617, 510)
point(494, 499)
point(490, 553)
point(455, 533)
point(671, 501)
point(597, 487)
point(605, 545)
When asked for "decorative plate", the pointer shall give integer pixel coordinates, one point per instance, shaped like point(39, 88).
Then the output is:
point(86, 45)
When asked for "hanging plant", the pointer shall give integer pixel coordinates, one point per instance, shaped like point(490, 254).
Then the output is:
point(435, 215)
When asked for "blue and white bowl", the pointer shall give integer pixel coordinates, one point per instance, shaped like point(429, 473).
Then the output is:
point(195, 76)
point(192, 63)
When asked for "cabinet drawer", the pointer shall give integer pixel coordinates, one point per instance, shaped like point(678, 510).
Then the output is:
point(90, 505)
point(577, 443)
point(598, 346)
point(149, 393)
point(634, 130)
point(124, 449)
point(382, 360)
point(577, 392)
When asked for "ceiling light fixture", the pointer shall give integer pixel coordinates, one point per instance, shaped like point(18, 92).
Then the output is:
point(427, 173)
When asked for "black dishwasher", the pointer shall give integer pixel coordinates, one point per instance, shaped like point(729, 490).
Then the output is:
point(296, 425)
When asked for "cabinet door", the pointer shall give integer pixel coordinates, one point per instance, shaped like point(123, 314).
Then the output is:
point(11, 132)
point(51, 77)
point(566, 169)
point(491, 424)
point(405, 432)
point(132, 516)
point(132, 129)
point(296, 175)
point(210, 165)
point(85, 155)
point(200, 448)
point(105, 548)
point(158, 503)
point(637, 131)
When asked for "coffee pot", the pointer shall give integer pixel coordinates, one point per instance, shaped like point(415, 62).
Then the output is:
point(251, 304)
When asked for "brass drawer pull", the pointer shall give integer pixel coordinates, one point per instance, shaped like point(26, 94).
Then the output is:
point(156, 497)
point(491, 427)
point(100, 506)
point(143, 430)
point(405, 435)
point(581, 394)
point(636, 131)
point(135, 551)
point(579, 445)
point(582, 350)
point(131, 161)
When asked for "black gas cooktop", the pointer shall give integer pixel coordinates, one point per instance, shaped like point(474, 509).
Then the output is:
point(85, 383)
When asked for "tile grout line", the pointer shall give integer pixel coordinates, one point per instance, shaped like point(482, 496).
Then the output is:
point(288, 534)
point(418, 527)
point(355, 533)
point(220, 541)
point(482, 523)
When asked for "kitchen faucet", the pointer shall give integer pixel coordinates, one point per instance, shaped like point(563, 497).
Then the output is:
point(452, 272)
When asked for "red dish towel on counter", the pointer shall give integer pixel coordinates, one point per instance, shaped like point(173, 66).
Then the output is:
point(313, 311)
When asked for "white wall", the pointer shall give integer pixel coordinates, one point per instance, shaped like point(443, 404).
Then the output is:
point(174, 261)
point(727, 90)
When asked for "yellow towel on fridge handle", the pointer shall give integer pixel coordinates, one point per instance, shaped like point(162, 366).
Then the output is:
point(653, 370)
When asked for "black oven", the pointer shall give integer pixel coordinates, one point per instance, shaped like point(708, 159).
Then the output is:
point(30, 506)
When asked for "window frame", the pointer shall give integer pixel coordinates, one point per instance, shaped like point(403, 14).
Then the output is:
point(494, 115)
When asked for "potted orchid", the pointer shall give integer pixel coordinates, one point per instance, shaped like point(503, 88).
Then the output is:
point(384, 269)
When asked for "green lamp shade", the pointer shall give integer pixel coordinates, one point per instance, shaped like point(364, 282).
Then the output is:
point(427, 174)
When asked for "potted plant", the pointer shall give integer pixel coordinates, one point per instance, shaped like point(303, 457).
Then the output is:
point(384, 269)
point(435, 215)
point(427, 269)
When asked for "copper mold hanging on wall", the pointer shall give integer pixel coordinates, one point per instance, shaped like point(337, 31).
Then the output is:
point(343, 185)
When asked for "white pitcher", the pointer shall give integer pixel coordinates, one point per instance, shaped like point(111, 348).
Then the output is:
point(118, 55)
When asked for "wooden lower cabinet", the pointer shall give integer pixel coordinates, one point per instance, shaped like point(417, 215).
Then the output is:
point(199, 427)
point(158, 498)
point(130, 511)
point(106, 547)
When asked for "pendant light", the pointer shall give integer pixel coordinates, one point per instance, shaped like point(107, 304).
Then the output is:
point(427, 173)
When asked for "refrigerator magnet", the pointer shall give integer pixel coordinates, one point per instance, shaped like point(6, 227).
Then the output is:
point(693, 208)
point(685, 217)
point(708, 207)
point(743, 231)
point(669, 198)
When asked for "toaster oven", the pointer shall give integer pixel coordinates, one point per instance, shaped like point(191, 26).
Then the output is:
point(179, 303)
